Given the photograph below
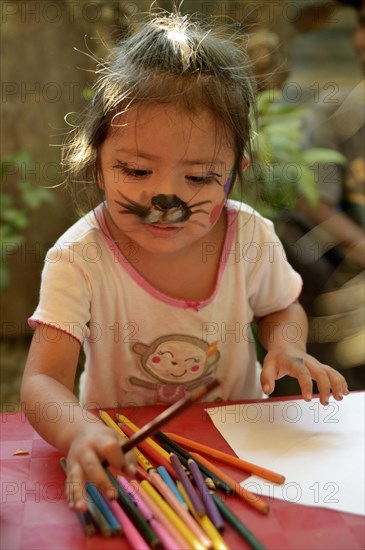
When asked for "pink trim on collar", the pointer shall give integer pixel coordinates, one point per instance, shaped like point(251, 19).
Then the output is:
point(141, 281)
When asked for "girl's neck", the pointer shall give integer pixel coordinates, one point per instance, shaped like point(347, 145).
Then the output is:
point(187, 274)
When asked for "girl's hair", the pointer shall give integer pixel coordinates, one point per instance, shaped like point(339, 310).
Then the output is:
point(171, 59)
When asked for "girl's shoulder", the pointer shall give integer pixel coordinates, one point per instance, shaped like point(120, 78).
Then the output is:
point(86, 229)
point(246, 218)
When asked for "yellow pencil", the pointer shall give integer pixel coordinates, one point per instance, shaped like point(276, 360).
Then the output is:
point(159, 484)
point(173, 517)
point(172, 501)
point(210, 529)
point(163, 519)
point(107, 419)
point(141, 459)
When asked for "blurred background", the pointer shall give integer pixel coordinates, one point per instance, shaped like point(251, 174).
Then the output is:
point(302, 48)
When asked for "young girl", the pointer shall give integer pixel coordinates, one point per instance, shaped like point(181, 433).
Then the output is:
point(161, 281)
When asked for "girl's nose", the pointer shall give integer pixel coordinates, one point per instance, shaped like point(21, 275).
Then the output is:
point(166, 202)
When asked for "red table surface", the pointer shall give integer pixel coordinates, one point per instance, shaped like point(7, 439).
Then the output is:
point(35, 514)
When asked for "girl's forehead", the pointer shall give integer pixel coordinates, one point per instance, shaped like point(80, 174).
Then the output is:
point(153, 124)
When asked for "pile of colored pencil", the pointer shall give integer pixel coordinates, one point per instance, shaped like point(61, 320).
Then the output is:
point(173, 502)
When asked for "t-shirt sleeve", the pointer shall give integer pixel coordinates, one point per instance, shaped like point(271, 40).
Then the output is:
point(272, 283)
point(65, 295)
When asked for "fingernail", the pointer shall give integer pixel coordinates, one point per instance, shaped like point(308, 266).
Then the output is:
point(71, 504)
point(266, 389)
point(340, 396)
point(308, 397)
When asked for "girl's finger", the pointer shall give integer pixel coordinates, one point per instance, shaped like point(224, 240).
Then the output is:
point(75, 484)
point(112, 452)
point(323, 384)
point(268, 376)
point(94, 472)
point(300, 371)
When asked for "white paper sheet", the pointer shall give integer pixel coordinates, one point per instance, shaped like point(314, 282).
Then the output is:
point(319, 450)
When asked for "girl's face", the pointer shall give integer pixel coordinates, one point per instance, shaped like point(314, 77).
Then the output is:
point(164, 173)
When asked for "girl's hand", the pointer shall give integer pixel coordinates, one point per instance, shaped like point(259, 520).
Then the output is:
point(87, 451)
point(305, 368)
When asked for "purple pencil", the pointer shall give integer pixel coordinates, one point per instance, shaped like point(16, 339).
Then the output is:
point(194, 497)
point(212, 510)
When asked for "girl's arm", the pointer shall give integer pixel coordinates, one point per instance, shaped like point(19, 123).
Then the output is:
point(284, 336)
point(55, 412)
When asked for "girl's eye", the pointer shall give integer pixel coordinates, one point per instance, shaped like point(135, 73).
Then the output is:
point(204, 179)
point(132, 172)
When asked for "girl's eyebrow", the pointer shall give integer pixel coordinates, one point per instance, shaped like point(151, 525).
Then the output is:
point(188, 162)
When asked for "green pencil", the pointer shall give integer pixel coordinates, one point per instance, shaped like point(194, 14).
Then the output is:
point(133, 513)
point(237, 523)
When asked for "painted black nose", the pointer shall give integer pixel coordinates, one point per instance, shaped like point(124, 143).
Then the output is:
point(166, 202)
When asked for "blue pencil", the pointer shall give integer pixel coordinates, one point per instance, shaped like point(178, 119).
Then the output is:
point(170, 483)
point(97, 498)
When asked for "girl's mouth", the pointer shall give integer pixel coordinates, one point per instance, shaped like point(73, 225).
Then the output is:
point(162, 230)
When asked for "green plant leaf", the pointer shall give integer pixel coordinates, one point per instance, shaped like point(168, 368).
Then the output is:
point(33, 196)
point(308, 185)
point(321, 155)
point(281, 129)
point(16, 218)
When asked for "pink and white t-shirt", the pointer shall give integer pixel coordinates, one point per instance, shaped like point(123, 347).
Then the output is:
point(144, 347)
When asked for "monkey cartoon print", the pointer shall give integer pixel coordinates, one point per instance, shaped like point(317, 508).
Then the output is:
point(175, 364)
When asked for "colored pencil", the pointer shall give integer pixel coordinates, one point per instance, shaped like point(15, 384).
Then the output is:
point(217, 541)
point(252, 499)
point(228, 459)
point(161, 532)
point(125, 420)
point(99, 501)
point(168, 415)
point(211, 480)
point(99, 519)
point(150, 450)
point(161, 470)
point(107, 419)
point(131, 532)
point(134, 515)
point(163, 519)
point(208, 501)
point(173, 517)
point(141, 473)
point(189, 488)
point(141, 459)
point(179, 509)
point(236, 523)
point(170, 449)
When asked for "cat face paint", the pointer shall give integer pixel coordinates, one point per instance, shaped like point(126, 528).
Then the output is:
point(163, 173)
point(164, 209)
